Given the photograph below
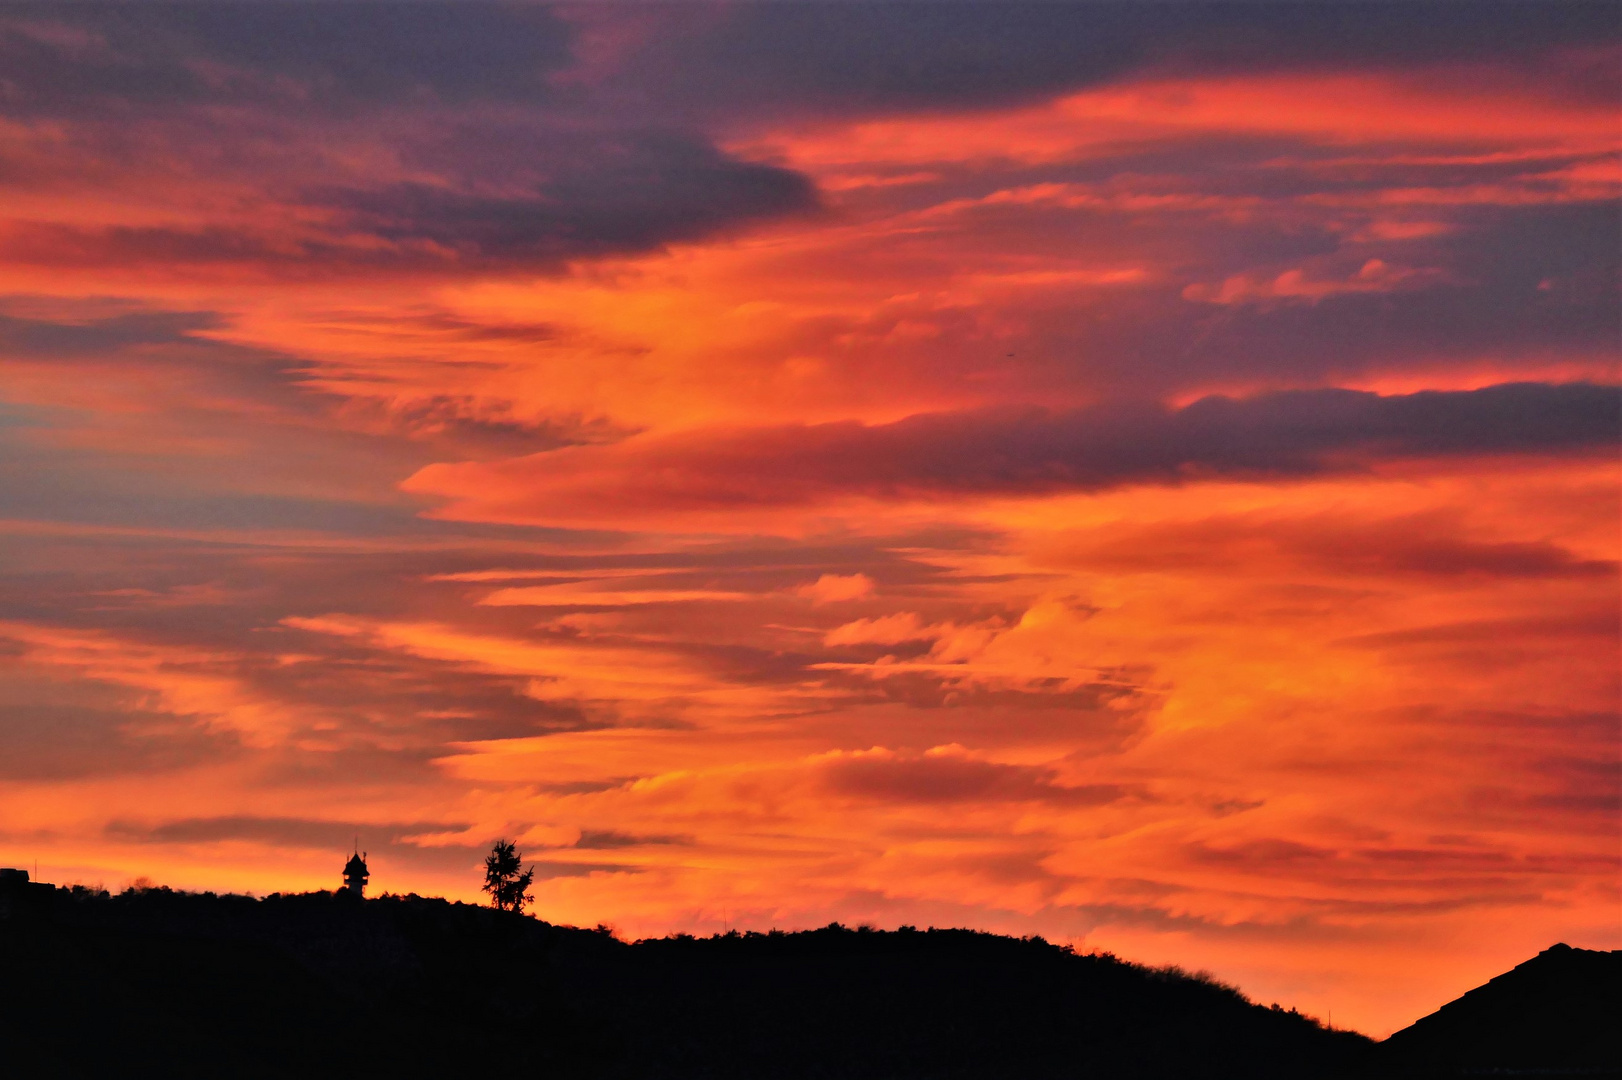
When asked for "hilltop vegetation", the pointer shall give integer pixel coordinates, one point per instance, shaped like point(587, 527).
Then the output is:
point(163, 983)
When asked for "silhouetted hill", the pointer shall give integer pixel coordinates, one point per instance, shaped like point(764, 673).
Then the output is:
point(1560, 1013)
point(158, 983)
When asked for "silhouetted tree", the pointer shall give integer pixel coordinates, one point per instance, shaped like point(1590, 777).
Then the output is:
point(505, 879)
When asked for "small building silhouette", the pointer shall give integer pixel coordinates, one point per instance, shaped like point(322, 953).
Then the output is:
point(355, 874)
point(21, 898)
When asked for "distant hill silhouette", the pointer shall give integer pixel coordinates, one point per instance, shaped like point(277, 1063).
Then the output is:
point(1560, 1013)
point(157, 983)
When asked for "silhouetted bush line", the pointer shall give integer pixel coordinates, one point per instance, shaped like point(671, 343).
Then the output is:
point(175, 984)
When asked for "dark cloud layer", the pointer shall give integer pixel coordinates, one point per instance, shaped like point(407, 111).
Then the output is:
point(1296, 433)
point(597, 839)
point(1422, 545)
point(895, 57)
point(317, 55)
point(602, 194)
point(888, 56)
point(1521, 280)
point(531, 148)
point(495, 164)
point(61, 740)
point(676, 190)
point(293, 832)
point(1513, 283)
point(96, 337)
point(936, 778)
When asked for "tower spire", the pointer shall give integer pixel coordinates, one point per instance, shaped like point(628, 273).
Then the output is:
point(355, 872)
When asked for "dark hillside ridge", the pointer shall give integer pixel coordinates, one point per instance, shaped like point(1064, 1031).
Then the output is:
point(157, 983)
point(1558, 1014)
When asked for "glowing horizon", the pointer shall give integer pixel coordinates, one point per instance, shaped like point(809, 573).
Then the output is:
point(1137, 474)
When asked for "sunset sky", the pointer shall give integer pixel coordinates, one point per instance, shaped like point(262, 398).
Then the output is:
point(1144, 475)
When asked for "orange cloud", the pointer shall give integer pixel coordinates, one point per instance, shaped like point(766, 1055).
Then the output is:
point(832, 588)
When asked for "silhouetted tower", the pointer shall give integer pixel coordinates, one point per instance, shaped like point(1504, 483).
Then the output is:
point(355, 874)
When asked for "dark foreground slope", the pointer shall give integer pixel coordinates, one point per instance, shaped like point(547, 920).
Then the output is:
point(164, 984)
point(1560, 1013)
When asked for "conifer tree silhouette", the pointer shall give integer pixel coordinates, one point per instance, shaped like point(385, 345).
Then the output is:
point(505, 879)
